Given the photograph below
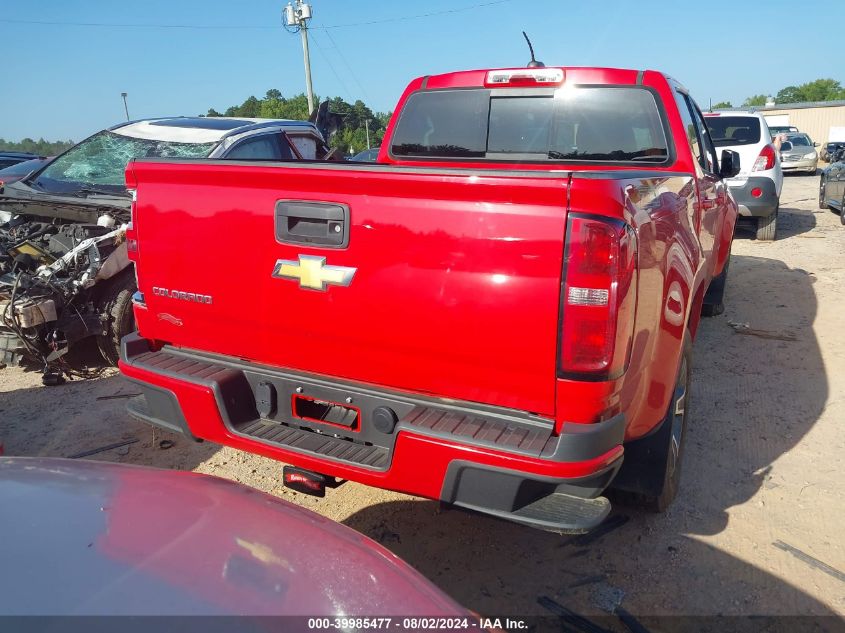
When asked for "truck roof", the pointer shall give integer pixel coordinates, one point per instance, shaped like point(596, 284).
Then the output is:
point(200, 129)
point(578, 74)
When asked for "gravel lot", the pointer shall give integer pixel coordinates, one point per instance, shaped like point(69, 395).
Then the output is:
point(763, 471)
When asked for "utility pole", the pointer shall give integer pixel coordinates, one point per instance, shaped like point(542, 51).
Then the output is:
point(125, 107)
point(368, 133)
point(297, 16)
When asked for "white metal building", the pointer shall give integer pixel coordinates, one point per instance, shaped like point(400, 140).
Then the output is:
point(823, 120)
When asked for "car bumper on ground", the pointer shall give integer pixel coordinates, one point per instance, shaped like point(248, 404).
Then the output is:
point(12, 348)
point(756, 197)
point(481, 458)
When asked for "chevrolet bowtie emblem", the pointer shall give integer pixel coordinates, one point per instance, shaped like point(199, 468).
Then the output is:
point(311, 272)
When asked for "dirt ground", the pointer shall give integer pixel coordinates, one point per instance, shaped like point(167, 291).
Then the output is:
point(757, 529)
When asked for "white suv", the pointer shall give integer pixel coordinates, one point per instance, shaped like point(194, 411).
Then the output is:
point(758, 185)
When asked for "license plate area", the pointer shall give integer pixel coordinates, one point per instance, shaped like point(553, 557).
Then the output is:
point(326, 412)
point(326, 408)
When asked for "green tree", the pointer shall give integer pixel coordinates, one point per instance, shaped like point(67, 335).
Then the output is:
point(756, 100)
point(40, 147)
point(817, 90)
point(356, 118)
point(790, 94)
point(721, 105)
point(823, 90)
point(274, 107)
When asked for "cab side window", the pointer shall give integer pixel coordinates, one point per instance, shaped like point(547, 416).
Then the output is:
point(711, 163)
point(263, 147)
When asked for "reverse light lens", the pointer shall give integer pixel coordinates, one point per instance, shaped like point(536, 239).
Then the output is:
point(599, 297)
point(766, 159)
point(587, 296)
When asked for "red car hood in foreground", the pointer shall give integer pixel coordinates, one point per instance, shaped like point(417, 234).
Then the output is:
point(94, 538)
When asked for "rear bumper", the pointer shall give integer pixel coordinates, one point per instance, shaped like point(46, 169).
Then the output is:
point(805, 164)
point(496, 461)
point(756, 206)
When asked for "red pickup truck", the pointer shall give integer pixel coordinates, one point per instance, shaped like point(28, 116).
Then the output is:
point(493, 315)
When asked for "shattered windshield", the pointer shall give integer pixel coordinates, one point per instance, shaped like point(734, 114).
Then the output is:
point(97, 164)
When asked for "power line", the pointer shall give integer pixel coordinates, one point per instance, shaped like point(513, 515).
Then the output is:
point(414, 17)
point(138, 26)
point(235, 27)
point(346, 63)
point(334, 72)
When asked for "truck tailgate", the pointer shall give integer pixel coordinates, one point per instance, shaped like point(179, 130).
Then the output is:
point(453, 276)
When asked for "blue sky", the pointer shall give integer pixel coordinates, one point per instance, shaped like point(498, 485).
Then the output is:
point(64, 81)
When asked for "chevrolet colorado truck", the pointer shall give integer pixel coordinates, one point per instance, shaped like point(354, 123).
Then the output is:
point(497, 314)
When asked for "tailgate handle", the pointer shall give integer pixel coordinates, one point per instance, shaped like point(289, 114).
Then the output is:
point(312, 223)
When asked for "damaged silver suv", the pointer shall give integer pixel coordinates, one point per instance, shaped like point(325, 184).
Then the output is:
point(64, 273)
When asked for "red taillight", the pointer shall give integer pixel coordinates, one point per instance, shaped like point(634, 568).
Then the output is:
point(599, 291)
point(766, 159)
point(756, 192)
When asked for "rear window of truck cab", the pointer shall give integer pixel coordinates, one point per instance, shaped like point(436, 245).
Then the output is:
point(604, 124)
point(733, 130)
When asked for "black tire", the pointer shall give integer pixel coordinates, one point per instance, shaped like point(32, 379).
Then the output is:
point(767, 227)
point(714, 298)
point(822, 203)
point(651, 471)
point(842, 211)
point(115, 304)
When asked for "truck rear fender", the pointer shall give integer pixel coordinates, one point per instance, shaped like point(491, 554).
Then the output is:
point(659, 209)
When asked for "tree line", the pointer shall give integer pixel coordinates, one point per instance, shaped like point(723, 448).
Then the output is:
point(356, 117)
point(40, 147)
point(817, 90)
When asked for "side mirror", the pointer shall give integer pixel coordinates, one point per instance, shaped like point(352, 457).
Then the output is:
point(729, 164)
point(816, 144)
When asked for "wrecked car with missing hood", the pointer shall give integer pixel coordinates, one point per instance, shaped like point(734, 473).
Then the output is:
point(64, 272)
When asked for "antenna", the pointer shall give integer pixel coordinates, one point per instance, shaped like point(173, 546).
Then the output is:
point(533, 63)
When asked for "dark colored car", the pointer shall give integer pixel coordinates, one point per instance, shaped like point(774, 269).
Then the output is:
point(64, 271)
point(832, 184)
point(96, 538)
point(827, 152)
point(21, 170)
point(367, 156)
point(7, 159)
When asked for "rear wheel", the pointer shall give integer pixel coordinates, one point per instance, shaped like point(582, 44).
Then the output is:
point(822, 203)
point(767, 227)
point(116, 310)
point(842, 210)
point(651, 471)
